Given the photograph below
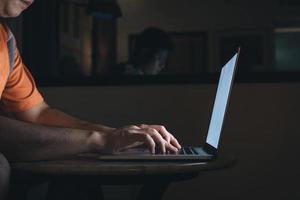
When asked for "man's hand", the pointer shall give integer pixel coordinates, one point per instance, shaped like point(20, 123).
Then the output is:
point(164, 133)
point(131, 136)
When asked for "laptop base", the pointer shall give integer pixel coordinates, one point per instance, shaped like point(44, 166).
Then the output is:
point(142, 154)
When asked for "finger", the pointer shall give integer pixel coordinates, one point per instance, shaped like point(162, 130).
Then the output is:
point(171, 148)
point(132, 127)
point(163, 131)
point(140, 136)
point(175, 142)
point(143, 126)
point(167, 136)
point(157, 138)
point(150, 143)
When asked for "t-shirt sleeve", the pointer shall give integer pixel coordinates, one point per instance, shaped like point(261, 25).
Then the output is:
point(20, 92)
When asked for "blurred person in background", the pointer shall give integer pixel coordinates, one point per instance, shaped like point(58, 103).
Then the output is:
point(149, 53)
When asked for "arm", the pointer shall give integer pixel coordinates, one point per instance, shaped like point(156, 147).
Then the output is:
point(27, 141)
point(45, 115)
point(22, 141)
point(115, 140)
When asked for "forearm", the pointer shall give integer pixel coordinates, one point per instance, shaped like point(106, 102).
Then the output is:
point(54, 117)
point(46, 115)
point(26, 141)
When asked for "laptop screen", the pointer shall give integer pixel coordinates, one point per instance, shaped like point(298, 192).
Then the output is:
point(222, 96)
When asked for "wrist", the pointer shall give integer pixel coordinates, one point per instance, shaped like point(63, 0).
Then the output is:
point(97, 141)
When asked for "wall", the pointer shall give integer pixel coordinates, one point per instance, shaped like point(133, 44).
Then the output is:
point(262, 131)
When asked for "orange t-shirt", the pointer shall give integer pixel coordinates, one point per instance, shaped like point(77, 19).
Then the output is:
point(17, 88)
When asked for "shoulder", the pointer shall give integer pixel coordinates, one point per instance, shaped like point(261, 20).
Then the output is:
point(4, 36)
point(4, 33)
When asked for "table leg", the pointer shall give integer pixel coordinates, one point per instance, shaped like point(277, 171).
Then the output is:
point(153, 191)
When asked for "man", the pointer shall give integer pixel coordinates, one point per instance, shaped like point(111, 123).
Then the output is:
point(41, 132)
point(149, 53)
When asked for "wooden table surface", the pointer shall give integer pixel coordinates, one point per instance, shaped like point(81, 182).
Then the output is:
point(154, 177)
point(90, 165)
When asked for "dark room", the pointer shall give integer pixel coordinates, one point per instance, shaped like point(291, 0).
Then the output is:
point(149, 99)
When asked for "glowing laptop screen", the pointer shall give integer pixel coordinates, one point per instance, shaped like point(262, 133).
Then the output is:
point(222, 96)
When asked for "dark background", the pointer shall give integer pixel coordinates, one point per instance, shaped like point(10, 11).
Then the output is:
point(79, 42)
point(262, 126)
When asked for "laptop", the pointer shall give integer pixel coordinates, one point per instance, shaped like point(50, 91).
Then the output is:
point(203, 153)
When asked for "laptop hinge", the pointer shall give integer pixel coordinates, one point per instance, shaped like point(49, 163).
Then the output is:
point(210, 149)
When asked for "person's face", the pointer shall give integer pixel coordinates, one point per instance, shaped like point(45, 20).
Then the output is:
point(158, 63)
point(13, 8)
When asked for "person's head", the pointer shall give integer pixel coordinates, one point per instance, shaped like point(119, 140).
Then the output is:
point(13, 8)
point(150, 51)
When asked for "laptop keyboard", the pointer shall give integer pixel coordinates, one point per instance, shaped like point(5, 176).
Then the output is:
point(183, 151)
point(188, 151)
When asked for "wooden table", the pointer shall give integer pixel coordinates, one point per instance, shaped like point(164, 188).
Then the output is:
point(153, 176)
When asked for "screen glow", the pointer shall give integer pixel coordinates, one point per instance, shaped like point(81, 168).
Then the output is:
point(219, 109)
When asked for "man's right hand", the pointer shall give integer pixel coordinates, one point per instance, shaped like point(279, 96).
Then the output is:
point(131, 136)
